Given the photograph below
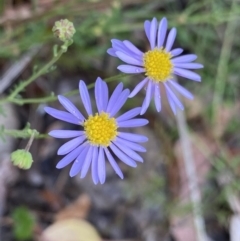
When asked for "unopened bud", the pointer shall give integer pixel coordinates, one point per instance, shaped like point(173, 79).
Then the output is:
point(22, 159)
point(64, 30)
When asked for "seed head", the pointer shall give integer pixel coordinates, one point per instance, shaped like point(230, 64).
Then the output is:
point(64, 30)
point(22, 159)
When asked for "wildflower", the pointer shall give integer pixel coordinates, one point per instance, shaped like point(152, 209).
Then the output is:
point(100, 133)
point(64, 30)
point(159, 64)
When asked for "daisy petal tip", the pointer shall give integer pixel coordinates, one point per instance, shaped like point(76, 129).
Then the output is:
point(71, 174)
point(59, 166)
point(50, 133)
point(199, 79)
point(142, 112)
point(102, 181)
point(99, 79)
point(46, 109)
point(191, 97)
point(95, 182)
point(81, 84)
point(121, 176)
point(141, 161)
point(119, 68)
point(60, 152)
point(131, 95)
point(134, 165)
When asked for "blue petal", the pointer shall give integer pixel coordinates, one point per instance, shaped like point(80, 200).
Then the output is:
point(87, 162)
point(133, 48)
point(105, 95)
point(176, 52)
point(132, 145)
point(123, 157)
point(148, 98)
point(113, 163)
point(69, 158)
point(69, 106)
point(174, 97)
point(129, 69)
point(95, 165)
point(129, 152)
point(62, 115)
point(71, 145)
point(171, 103)
point(138, 87)
point(111, 52)
point(147, 26)
point(132, 137)
point(120, 102)
point(98, 94)
point(182, 90)
point(187, 74)
point(78, 163)
point(133, 123)
point(162, 30)
point(85, 97)
point(184, 58)
point(120, 46)
point(157, 97)
point(101, 166)
point(171, 39)
point(128, 59)
point(65, 134)
point(129, 114)
point(114, 97)
point(189, 65)
point(153, 33)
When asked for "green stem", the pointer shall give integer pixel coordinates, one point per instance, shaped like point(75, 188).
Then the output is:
point(23, 134)
point(53, 97)
point(43, 70)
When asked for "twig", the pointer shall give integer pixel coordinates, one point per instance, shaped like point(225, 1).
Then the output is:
point(194, 191)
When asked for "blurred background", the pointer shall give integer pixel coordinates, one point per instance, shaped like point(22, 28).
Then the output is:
point(152, 203)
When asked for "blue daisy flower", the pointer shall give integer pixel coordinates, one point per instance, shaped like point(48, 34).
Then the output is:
point(100, 136)
point(159, 64)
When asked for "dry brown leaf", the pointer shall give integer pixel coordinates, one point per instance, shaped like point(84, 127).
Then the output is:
point(78, 209)
point(70, 230)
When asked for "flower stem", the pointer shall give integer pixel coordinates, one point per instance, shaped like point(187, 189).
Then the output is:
point(43, 70)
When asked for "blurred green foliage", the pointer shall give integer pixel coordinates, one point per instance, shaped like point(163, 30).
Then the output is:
point(23, 223)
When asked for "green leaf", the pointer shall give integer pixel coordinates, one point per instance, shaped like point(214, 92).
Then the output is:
point(23, 223)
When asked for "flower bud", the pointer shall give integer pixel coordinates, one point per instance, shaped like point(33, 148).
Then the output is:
point(64, 30)
point(22, 159)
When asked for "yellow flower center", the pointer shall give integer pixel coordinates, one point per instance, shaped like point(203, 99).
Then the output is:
point(158, 65)
point(100, 129)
